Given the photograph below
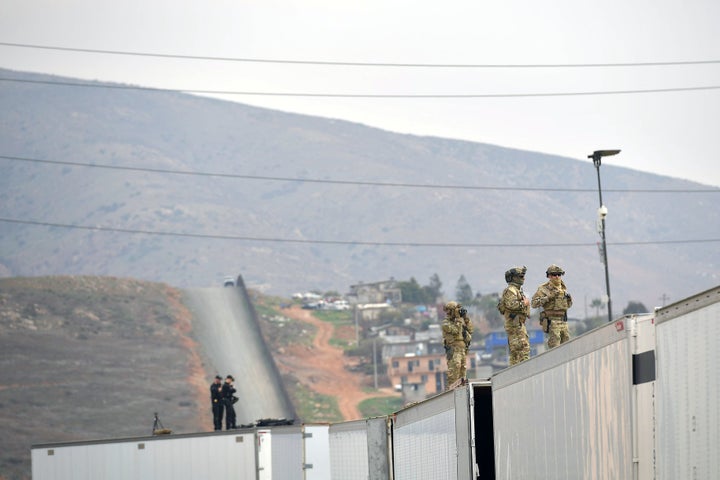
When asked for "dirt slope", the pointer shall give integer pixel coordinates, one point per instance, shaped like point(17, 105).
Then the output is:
point(86, 358)
point(322, 367)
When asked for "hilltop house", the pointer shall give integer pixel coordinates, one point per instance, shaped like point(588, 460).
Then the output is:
point(378, 292)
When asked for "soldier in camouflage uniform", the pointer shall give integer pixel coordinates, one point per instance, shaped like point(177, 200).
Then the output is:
point(457, 333)
point(553, 297)
point(515, 308)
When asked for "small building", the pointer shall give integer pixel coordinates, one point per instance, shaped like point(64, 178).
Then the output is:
point(369, 312)
point(432, 334)
point(378, 292)
point(418, 376)
point(390, 333)
point(414, 347)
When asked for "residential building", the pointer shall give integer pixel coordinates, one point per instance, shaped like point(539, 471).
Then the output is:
point(418, 375)
point(378, 292)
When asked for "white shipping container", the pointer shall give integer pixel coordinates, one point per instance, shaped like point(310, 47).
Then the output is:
point(359, 450)
point(348, 450)
point(224, 455)
point(581, 410)
point(280, 453)
point(316, 452)
point(688, 388)
point(435, 439)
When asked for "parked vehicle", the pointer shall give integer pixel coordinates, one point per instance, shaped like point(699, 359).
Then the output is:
point(337, 305)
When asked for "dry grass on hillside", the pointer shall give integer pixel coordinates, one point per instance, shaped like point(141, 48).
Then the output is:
point(88, 358)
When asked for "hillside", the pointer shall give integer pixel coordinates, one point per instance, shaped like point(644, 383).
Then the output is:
point(186, 190)
point(90, 357)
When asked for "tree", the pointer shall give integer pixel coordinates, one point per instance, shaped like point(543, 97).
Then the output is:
point(411, 292)
point(635, 307)
point(488, 306)
point(463, 292)
point(434, 288)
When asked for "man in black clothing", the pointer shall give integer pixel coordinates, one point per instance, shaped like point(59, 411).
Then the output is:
point(217, 403)
point(227, 395)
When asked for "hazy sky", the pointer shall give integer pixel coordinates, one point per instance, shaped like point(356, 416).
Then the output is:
point(670, 133)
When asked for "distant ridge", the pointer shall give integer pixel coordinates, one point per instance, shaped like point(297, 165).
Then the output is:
point(179, 132)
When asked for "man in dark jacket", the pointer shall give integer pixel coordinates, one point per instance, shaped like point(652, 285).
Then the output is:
point(228, 392)
point(216, 402)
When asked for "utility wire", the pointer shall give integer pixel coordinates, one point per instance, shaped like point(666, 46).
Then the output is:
point(344, 242)
point(363, 95)
point(359, 64)
point(353, 182)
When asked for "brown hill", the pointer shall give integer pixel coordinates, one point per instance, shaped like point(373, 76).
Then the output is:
point(89, 357)
point(182, 189)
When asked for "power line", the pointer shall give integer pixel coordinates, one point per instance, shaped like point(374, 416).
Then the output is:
point(351, 182)
point(363, 95)
point(359, 64)
point(345, 242)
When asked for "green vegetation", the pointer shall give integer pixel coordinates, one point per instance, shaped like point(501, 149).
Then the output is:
point(336, 317)
point(635, 307)
point(378, 406)
point(280, 331)
point(265, 310)
point(314, 407)
point(412, 292)
point(277, 329)
point(463, 291)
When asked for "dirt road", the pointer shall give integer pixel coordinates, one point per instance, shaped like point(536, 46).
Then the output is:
point(322, 367)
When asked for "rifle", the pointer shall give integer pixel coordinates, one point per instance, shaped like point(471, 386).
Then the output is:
point(545, 322)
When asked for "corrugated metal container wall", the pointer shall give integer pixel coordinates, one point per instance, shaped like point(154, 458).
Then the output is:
point(188, 457)
point(688, 388)
point(349, 450)
point(360, 450)
point(425, 441)
point(567, 414)
point(287, 461)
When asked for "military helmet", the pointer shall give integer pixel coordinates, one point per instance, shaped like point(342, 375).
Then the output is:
point(554, 269)
point(450, 306)
point(515, 272)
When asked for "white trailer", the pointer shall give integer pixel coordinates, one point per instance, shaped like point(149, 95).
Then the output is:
point(687, 428)
point(279, 453)
point(448, 436)
point(581, 410)
point(227, 455)
point(292, 452)
point(359, 450)
point(316, 452)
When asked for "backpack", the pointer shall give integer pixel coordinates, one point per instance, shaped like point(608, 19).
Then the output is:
point(501, 305)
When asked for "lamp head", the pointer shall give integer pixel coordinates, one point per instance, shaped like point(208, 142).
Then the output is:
point(598, 154)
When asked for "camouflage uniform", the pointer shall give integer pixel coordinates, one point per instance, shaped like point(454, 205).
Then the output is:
point(457, 333)
point(515, 308)
point(553, 297)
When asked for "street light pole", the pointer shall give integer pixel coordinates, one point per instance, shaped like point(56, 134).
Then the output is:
point(602, 212)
